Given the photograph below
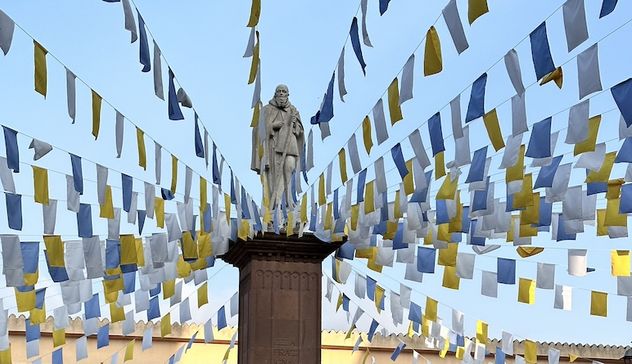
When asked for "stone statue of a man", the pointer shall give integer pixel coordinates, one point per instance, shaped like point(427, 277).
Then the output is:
point(277, 147)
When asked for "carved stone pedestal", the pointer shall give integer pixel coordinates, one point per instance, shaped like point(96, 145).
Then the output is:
point(279, 298)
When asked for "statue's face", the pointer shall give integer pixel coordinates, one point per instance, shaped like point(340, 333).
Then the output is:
point(281, 94)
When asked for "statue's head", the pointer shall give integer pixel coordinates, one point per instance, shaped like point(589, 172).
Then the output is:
point(281, 94)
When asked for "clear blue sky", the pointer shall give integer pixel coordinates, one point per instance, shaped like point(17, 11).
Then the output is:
point(300, 43)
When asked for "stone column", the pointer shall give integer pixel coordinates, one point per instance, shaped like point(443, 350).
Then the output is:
point(280, 299)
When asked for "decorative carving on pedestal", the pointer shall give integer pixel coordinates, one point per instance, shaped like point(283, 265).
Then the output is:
point(279, 297)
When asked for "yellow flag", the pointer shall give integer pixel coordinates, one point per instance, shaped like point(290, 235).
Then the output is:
point(372, 265)
point(128, 249)
point(256, 113)
point(493, 130)
point(602, 229)
point(524, 197)
point(203, 194)
point(37, 316)
point(603, 174)
point(366, 134)
point(40, 182)
point(450, 278)
point(379, 295)
point(556, 75)
point(112, 285)
point(445, 348)
point(202, 295)
point(409, 185)
point(116, 313)
point(433, 63)
point(397, 213)
point(129, 351)
point(289, 230)
point(528, 251)
point(244, 230)
point(159, 211)
point(530, 352)
point(254, 65)
point(620, 261)
point(460, 352)
point(475, 9)
point(25, 301)
point(227, 206)
point(355, 211)
point(411, 329)
point(531, 215)
point(168, 288)
point(526, 291)
point(205, 246)
point(54, 251)
point(322, 199)
point(447, 256)
point(614, 188)
point(255, 12)
point(481, 332)
point(189, 248)
point(5, 356)
point(142, 155)
point(106, 210)
point(369, 199)
point(183, 268)
point(588, 145)
point(174, 173)
point(613, 217)
point(111, 297)
point(516, 172)
point(96, 114)
point(30, 279)
point(304, 208)
point(41, 81)
point(431, 309)
point(165, 325)
point(342, 161)
point(598, 303)
point(456, 224)
point(394, 108)
point(59, 337)
point(140, 252)
point(447, 191)
point(439, 165)
point(572, 358)
point(328, 217)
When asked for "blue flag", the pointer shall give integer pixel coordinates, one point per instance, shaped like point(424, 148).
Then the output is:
point(506, 271)
point(92, 308)
point(57, 274)
point(326, 112)
point(540, 52)
point(355, 43)
point(500, 356)
point(346, 251)
point(436, 135)
point(77, 173)
point(175, 113)
point(547, 173)
point(398, 158)
point(11, 147)
point(561, 230)
point(84, 221)
point(361, 183)
point(141, 220)
point(197, 137)
point(58, 356)
point(103, 336)
point(475, 240)
point(40, 295)
point(155, 291)
point(32, 331)
point(625, 153)
point(127, 182)
point(398, 240)
point(370, 288)
point(442, 212)
point(476, 106)
point(207, 218)
point(143, 53)
point(397, 351)
point(625, 205)
point(545, 212)
point(622, 94)
point(426, 259)
point(245, 212)
point(336, 207)
point(345, 303)
point(129, 282)
point(384, 6)
point(221, 318)
point(414, 314)
point(540, 141)
point(14, 210)
point(372, 330)
point(112, 254)
point(30, 255)
point(607, 7)
point(215, 168)
point(477, 168)
point(154, 309)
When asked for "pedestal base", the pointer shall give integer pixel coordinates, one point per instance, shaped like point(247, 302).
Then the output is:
point(279, 298)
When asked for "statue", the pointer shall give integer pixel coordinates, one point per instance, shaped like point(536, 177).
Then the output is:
point(277, 148)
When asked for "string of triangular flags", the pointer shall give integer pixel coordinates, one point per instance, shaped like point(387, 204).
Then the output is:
point(575, 25)
point(429, 325)
point(175, 99)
